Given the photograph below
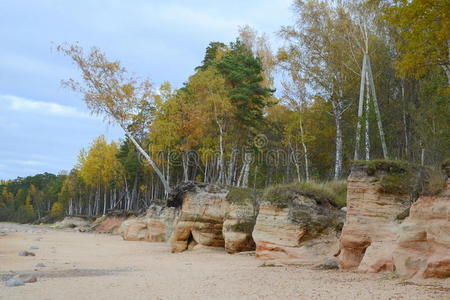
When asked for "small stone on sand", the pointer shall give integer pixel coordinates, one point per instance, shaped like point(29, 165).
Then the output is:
point(14, 282)
point(26, 253)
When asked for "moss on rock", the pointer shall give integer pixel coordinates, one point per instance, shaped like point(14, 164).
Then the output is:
point(392, 167)
point(245, 226)
point(243, 196)
point(333, 192)
point(399, 177)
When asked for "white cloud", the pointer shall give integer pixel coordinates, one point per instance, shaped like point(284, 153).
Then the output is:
point(26, 162)
point(27, 105)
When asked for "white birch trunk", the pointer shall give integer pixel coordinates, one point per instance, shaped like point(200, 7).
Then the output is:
point(231, 167)
point(377, 110)
point(405, 128)
point(148, 158)
point(246, 169)
point(305, 150)
point(337, 109)
point(104, 202)
point(296, 163)
point(185, 168)
point(221, 154)
point(366, 121)
point(360, 109)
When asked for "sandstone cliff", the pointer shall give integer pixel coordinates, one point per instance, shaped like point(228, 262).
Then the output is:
point(240, 220)
point(423, 248)
point(203, 209)
point(297, 224)
point(155, 226)
point(380, 194)
point(109, 224)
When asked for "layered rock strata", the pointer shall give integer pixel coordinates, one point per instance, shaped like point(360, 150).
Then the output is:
point(156, 226)
point(203, 209)
point(295, 226)
point(240, 220)
point(423, 248)
point(379, 198)
point(109, 224)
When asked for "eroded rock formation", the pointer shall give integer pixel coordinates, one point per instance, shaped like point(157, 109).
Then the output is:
point(370, 231)
point(77, 223)
point(135, 229)
point(423, 249)
point(109, 224)
point(203, 209)
point(376, 237)
point(240, 220)
point(156, 226)
point(296, 226)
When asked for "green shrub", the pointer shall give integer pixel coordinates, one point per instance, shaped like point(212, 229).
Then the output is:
point(246, 226)
point(392, 167)
point(333, 192)
point(434, 182)
point(396, 177)
point(399, 177)
point(394, 184)
point(243, 196)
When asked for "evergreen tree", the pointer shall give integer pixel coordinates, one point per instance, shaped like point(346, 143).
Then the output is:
point(243, 71)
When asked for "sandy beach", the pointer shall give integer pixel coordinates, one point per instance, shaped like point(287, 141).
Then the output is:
point(99, 266)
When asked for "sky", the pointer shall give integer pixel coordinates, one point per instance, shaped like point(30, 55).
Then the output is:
point(43, 126)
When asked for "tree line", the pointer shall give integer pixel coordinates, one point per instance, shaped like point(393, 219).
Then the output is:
point(356, 80)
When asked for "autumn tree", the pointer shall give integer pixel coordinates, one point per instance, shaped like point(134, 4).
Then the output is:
point(317, 49)
point(423, 35)
point(110, 91)
point(98, 167)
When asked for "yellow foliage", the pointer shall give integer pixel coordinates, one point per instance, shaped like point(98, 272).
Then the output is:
point(57, 210)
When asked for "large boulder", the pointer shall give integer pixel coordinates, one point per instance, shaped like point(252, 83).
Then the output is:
point(240, 220)
point(135, 229)
point(203, 209)
point(297, 223)
point(379, 195)
point(161, 222)
point(155, 226)
point(109, 224)
point(423, 249)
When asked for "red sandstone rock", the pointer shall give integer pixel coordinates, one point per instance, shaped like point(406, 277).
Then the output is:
point(302, 232)
point(156, 226)
point(423, 249)
point(201, 219)
point(238, 227)
point(110, 224)
point(370, 231)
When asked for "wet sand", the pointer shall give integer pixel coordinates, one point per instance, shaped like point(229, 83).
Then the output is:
point(99, 266)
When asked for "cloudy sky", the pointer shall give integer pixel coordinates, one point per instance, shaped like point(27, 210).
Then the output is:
point(42, 125)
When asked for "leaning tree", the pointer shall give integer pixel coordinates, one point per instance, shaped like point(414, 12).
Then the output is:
point(110, 91)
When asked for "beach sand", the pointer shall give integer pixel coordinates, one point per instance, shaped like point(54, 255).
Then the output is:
point(100, 266)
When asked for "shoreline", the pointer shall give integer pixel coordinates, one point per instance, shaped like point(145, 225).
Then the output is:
point(103, 266)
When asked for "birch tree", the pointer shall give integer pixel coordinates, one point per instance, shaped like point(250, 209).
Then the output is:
point(316, 43)
point(110, 91)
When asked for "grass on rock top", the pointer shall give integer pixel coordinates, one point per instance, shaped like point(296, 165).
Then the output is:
point(399, 177)
point(243, 196)
point(334, 192)
point(392, 167)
